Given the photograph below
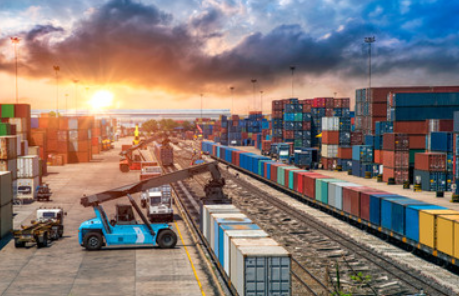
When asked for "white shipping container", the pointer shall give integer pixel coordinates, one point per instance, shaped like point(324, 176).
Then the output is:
point(25, 147)
point(226, 218)
point(21, 124)
point(208, 210)
point(19, 138)
point(8, 147)
point(330, 151)
point(233, 234)
point(10, 165)
point(335, 193)
point(260, 267)
point(73, 123)
point(6, 219)
point(27, 188)
point(28, 166)
point(330, 123)
point(6, 188)
point(34, 150)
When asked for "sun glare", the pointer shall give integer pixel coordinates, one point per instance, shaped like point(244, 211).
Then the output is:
point(102, 99)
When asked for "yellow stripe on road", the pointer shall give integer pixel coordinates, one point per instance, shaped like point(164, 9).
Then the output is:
point(191, 261)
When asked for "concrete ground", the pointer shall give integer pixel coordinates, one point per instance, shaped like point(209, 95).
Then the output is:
point(425, 196)
point(65, 268)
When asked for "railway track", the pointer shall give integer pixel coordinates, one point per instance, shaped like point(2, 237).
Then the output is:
point(317, 250)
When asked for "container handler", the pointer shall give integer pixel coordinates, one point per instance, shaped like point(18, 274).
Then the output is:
point(133, 162)
point(124, 229)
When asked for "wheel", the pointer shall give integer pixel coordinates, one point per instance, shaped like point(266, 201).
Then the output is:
point(93, 241)
point(124, 168)
point(44, 242)
point(60, 231)
point(19, 244)
point(166, 239)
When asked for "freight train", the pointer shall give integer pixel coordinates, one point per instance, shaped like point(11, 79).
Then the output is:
point(164, 153)
point(431, 229)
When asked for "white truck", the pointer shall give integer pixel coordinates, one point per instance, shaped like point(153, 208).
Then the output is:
point(158, 202)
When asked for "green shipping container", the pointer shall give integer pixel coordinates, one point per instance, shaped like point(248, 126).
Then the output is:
point(260, 166)
point(322, 189)
point(281, 174)
point(7, 111)
point(413, 152)
point(291, 176)
point(297, 143)
point(5, 129)
point(298, 117)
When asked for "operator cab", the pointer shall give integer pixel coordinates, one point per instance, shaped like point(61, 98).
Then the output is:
point(124, 215)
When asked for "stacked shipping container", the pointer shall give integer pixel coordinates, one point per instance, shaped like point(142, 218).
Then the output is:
point(6, 203)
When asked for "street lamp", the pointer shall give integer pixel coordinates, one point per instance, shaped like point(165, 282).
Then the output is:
point(87, 98)
point(261, 101)
point(76, 94)
point(253, 83)
point(15, 42)
point(66, 104)
point(369, 41)
point(292, 68)
point(57, 69)
point(201, 110)
point(232, 100)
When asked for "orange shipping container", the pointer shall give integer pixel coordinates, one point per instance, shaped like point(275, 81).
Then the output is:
point(37, 137)
point(52, 134)
point(95, 149)
point(63, 123)
point(85, 122)
point(95, 132)
point(378, 156)
point(84, 146)
point(330, 137)
point(52, 145)
point(62, 146)
point(417, 141)
point(344, 153)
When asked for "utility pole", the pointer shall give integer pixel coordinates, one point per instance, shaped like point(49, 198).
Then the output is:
point(261, 101)
point(202, 122)
point(253, 83)
point(57, 69)
point(232, 100)
point(292, 68)
point(15, 42)
point(87, 98)
point(75, 81)
point(66, 104)
point(369, 41)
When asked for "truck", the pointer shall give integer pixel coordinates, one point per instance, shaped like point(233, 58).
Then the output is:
point(280, 151)
point(49, 225)
point(124, 229)
point(158, 202)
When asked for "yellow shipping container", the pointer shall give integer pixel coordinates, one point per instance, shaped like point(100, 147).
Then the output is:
point(446, 239)
point(456, 239)
point(428, 223)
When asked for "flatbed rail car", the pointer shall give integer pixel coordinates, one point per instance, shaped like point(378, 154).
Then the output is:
point(430, 240)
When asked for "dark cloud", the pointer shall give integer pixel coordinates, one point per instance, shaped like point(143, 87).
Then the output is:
point(128, 42)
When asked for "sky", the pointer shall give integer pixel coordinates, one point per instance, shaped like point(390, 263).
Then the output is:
point(154, 54)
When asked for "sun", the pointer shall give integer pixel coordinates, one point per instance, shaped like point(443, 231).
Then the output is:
point(102, 99)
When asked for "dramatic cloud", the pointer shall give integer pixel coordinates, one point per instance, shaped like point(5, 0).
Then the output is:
point(127, 42)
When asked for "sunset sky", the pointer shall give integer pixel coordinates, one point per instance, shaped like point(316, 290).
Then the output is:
point(154, 54)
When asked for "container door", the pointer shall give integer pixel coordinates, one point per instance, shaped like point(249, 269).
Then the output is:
point(279, 276)
point(255, 276)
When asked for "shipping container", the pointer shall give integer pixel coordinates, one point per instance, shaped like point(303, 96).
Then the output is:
point(412, 219)
point(322, 189)
point(8, 147)
point(395, 159)
point(207, 210)
point(6, 188)
point(218, 219)
point(375, 206)
point(362, 153)
point(27, 188)
point(447, 240)
point(393, 142)
point(365, 203)
point(28, 166)
point(428, 225)
point(397, 213)
point(430, 161)
point(10, 165)
point(225, 250)
point(260, 267)
point(6, 219)
point(351, 199)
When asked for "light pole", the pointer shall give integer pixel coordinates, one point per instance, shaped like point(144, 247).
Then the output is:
point(232, 100)
point(201, 110)
point(369, 41)
point(15, 42)
point(87, 98)
point(292, 68)
point(261, 101)
point(57, 69)
point(253, 83)
point(66, 104)
point(76, 94)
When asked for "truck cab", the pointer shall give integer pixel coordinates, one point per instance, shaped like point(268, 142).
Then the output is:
point(158, 202)
point(280, 151)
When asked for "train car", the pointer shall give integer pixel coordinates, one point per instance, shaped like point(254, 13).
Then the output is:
point(164, 154)
point(429, 228)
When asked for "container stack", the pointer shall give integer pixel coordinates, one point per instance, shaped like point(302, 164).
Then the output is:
point(383, 127)
point(8, 157)
point(395, 157)
point(28, 177)
point(16, 121)
point(430, 171)
point(96, 137)
point(362, 161)
point(6, 203)
point(330, 142)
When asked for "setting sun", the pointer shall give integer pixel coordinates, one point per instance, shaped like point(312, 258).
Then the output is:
point(101, 99)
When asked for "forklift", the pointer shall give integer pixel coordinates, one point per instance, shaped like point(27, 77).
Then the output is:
point(133, 162)
point(125, 230)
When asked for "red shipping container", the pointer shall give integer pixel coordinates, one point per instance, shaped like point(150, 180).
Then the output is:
point(400, 175)
point(330, 137)
point(274, 171)
point(394, 142)
point(306, 125)
point(396, 159)
point(309, 184)
point(43, 122)
point(95, 149)
point(85, 122)
point(22, 110)
point(277, 114)
point(288, 134)
point(265, 145)
point(417, 141)
point(244, 136)
point(365, 203)
point(337, 103)
point(63, 123)
point(344, 153)
point(62, 146)
point(84, 146)
point(51, 134)
point(307, 108)
point(356, 138)
point(52, 145)
point(37, 137)
point(329, 163)
point(287, 176)
point(329, 103)
point(329, 112)
point(254, 137)
point(430, 161)
point(410, 127)
point(345, 103)
point(276, 105)
point(351, 199)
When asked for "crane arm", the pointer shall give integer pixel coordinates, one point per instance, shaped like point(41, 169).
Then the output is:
point(140, 145)
point(96, 199)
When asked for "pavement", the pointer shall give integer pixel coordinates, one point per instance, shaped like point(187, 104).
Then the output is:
point(65, 268)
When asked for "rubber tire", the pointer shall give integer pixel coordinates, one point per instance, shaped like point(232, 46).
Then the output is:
point(43, 244)
point(124, 168)
point(93, 241)
point(167, 239)
point(18, 244)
